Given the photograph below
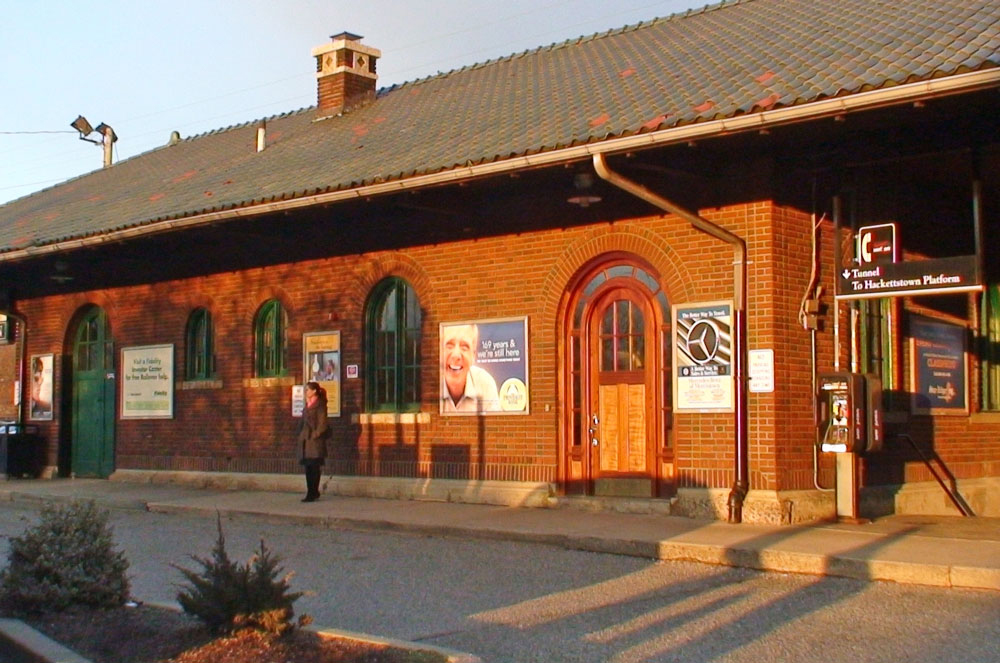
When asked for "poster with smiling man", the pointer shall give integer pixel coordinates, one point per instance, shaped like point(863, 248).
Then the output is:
point(484, 367)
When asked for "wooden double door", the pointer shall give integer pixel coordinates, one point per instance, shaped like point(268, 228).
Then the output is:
point(620, 393)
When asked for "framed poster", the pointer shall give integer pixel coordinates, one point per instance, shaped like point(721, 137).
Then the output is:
point(148, 382)
point(321, 363)
point(939, 377)
point(484, 367)
point(703, 347)
point(40, 400)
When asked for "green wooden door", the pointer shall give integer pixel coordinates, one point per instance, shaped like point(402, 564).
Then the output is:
point(93, 397)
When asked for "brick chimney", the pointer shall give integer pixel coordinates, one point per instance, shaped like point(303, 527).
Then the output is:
point(345, 74)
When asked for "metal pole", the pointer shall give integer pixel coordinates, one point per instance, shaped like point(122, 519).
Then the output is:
point(837, 266)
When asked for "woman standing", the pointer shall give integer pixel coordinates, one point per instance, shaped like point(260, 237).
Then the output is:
point(313, 436)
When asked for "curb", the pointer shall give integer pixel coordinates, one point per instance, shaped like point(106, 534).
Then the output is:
point(18, 497)
point(39, 647)
point(453, 655)
point(36, 645)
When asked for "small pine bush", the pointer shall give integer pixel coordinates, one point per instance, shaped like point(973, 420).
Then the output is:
point(68, 559)
point(227, 596)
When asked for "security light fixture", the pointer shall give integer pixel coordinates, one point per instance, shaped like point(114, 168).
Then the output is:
point(81, 125)
point(108, 135)
point(107, 131)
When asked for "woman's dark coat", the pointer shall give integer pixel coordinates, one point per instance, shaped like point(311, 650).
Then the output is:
point(315, 431)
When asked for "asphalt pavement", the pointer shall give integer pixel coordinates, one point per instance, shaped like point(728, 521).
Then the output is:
point(942, 551)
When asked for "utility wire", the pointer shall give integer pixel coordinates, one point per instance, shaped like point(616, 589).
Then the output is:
point(25, 133)
point(397, 49)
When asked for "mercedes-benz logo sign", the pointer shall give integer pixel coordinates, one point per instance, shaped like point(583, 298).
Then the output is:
point(703, 341)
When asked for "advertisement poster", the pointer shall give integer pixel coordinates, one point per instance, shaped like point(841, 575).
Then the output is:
point(321, 360)
point(703, 369)
point(484, 367)
point(148, 382)
point(40, 406)
point(938, 375)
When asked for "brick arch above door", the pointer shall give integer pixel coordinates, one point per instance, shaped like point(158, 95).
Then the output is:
point(625, 239)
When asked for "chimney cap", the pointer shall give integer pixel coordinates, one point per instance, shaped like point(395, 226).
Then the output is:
point(347, 36)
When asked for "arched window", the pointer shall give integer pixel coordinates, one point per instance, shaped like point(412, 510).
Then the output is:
point(392, 348)
point(270, 332)
point(199, 354)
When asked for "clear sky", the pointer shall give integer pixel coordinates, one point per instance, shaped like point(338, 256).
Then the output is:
point(149, 67)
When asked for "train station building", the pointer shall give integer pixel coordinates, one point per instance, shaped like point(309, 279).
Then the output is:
point(622, 271)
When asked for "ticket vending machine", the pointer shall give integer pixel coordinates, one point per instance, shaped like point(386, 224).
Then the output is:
point(848, 423)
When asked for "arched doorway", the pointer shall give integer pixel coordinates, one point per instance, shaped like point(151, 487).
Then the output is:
point(92, 395)
point(617, 382)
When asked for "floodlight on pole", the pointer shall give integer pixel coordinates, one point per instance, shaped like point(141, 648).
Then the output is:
point(81, 125)
point(108, 135)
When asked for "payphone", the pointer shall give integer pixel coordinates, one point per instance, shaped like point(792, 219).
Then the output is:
point(849, 413)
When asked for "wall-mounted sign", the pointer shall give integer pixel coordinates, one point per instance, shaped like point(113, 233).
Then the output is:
point(703, 346)
point(484, 367)
point(877, 244)
point(40, 399)
point(298, 400)
point(148, 384)
point(760, 370)
point(939, 381)
point(915, 277)
point(321, 363)
point(352, 371)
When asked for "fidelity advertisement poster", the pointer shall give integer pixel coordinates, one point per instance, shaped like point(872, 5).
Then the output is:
point(148, 384)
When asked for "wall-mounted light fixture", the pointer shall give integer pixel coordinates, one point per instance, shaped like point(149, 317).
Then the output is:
point(584, 198)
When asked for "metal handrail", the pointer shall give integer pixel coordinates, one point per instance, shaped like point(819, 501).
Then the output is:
point(953, 495)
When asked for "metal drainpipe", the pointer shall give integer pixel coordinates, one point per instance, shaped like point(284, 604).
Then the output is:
point(742, 484)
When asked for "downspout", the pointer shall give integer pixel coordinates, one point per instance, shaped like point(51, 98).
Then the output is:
point(741, 484)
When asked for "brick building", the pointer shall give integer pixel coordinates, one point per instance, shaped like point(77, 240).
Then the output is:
point(636, 233)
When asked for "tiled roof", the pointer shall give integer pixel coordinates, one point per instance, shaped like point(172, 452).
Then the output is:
point(722, 61)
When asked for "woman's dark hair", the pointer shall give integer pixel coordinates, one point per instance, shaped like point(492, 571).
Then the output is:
point(315, 386)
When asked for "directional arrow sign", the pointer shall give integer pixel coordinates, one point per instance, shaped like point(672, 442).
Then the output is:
point(916, 277)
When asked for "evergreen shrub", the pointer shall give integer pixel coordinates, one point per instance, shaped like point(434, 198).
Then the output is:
point(68, 559)
point(228, 596)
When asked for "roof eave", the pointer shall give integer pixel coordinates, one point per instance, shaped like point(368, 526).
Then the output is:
point(814, 110)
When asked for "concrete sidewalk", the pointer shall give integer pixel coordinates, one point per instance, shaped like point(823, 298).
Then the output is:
point(927, 550)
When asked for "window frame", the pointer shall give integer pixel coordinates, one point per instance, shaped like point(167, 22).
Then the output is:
point(393, 384)
point(271, 322)
point(199, 339)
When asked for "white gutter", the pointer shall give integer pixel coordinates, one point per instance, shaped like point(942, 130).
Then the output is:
point(960, 83)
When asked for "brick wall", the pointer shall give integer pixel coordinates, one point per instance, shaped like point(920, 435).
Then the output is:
point(235, 425)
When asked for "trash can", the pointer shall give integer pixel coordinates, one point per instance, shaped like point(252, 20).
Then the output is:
point(20, 450)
